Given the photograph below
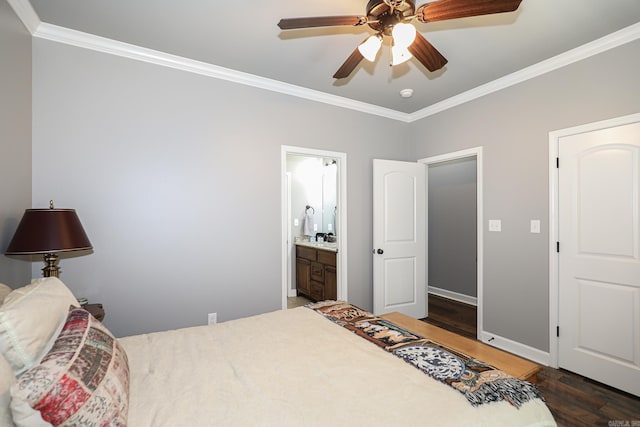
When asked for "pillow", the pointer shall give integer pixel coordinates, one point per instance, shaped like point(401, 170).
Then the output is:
point(30, 319)
point(4, 291)
point(82, 380)
point(7, 379)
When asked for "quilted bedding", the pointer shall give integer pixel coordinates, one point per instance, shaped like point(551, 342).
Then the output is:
point(293, 368)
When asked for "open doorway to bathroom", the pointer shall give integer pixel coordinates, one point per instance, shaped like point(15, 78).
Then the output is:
point(313, 201)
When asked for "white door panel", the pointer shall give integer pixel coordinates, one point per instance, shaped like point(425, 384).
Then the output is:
point(399, 238)
point(601, 170)
point(599, 261)
point(400, 270)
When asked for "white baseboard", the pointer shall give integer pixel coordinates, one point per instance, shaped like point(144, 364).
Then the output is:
point(522, 350)
point(292, 293)
point(453, 295)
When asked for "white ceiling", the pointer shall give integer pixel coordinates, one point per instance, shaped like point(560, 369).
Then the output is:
point(244, 37)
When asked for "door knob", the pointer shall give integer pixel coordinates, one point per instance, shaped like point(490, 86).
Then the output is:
point(380, 251)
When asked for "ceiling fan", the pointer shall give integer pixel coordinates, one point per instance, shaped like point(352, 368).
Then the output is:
point(392, 18)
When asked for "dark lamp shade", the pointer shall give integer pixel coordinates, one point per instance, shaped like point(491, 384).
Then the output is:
point(44, 231)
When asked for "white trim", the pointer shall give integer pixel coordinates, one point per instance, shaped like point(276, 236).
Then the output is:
point(477, 153)
point(287, 228)
point(89, 41)
point(126, 50)
point(456, 296)
point(554, 220)
point(553, 255)
point(517, 348)
point(26, 14)
point(341, 217)
point(595, 47)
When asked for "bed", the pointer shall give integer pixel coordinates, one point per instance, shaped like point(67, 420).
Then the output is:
point(299, 367)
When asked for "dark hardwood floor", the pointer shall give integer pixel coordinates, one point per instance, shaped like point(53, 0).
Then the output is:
point(573, 400)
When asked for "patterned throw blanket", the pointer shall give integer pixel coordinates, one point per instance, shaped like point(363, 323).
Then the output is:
point(480, 383)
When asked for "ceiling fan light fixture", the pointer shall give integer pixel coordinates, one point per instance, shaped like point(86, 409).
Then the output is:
point(403, 34)
point(399, 54)
point(370, 47)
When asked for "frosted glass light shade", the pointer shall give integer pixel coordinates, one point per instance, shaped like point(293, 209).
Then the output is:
point(399, 54)
point(403, 34)
point(370, 47)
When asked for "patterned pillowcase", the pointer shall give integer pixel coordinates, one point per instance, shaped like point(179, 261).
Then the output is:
point(82, 380)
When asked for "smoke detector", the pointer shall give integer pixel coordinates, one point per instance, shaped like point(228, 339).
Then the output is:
point(406, 93)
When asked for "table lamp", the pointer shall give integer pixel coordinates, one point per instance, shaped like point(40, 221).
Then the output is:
point(48, 232)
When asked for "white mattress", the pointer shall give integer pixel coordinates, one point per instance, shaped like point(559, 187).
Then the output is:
point(293, 368)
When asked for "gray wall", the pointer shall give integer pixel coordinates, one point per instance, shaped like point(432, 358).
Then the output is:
point(453, 226)
point(166, 168)
point(15, 138)
point(513, 125)
point(176, 178)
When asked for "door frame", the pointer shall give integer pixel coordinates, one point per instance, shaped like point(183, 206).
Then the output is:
point(341, 218)
point(554, 221)
point(477, 153)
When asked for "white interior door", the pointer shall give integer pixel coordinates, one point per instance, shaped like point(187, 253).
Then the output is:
point(399, 238)
point(599, 259)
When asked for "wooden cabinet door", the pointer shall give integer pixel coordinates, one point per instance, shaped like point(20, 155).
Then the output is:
point(330, 283)
point(317, 291)
point(317, 272)
point(303, 276)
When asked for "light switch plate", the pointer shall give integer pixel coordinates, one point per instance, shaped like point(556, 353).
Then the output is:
point(296, 222)
point(495, 225)
point(315, 227)
point(535, 226)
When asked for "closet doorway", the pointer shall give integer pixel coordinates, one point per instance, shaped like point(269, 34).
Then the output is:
point(454, 227)
point(313, 181)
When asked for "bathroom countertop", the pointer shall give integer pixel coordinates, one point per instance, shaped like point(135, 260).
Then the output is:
point(326, 246)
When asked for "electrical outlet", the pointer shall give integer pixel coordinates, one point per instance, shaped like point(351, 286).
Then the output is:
point(212, 318)
point(315, 227)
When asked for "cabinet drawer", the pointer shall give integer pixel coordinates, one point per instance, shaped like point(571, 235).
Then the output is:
point(317, 271)
point(327, 257)
point(306, 253)
point(317, 291)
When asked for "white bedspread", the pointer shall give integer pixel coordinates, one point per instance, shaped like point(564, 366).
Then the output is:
point(293, 368)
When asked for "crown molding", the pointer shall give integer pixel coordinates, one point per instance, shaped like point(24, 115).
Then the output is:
point(39, 29)
point(610, 41)
point(25, 12)
point(114, 47)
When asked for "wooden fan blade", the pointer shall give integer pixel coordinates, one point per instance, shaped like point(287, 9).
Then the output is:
point(426, 53)
point(452, 9)
point(349, 65)
point(320, 21)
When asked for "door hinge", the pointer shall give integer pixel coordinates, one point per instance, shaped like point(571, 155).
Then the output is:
point(558, 331)
point(557, 162)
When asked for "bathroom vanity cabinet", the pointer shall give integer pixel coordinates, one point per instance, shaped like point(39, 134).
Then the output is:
point(316, 273)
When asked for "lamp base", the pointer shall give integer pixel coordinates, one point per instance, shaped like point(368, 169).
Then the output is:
point(51, 268)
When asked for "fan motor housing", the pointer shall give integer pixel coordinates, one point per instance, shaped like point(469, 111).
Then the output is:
point(382, 19)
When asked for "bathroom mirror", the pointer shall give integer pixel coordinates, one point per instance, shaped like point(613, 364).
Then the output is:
point(313, 182)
